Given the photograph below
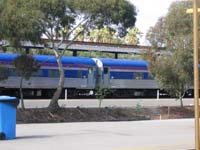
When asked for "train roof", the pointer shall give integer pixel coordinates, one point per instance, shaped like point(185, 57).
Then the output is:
point(80, 60)
point(51, 59)
point(124, 62)
point(65, 59)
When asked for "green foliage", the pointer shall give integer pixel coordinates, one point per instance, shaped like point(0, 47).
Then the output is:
point(174, 72)
point(101, 93)
point(178, 22)
point(156, 35)
point(25, 65)
point(24, 20)
point(103, 35)
point(19, 21)
point(109, 12)
point(58, 17)
point(138, 108)
point(132, 37)
point(108, 35)
point(174, 29)
point(179, 26)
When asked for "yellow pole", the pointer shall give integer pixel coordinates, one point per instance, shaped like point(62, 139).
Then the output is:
point(196, 73)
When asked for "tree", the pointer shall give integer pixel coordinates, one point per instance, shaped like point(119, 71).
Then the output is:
point(103, 35)
point(58, 19)
point(101, 93)
point(174, 31)
point(25, 65)
point(173, 73)
point(108, 35)
point(132, 36)
point(156, 35)
point(18, 21)
point(179, 26)
point(175, 25)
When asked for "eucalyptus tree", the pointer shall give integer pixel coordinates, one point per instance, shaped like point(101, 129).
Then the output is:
point(25, 66)
point(132, 36)
point(156, 35)
point(103, 35)
point(174, 71)
point(57, 19)
point(108, 35)
point(18, 22)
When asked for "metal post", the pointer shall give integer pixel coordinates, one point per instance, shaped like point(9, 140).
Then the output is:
point(75, 53)
point(158, 97)
point(196, 73)
point(65, 94)
point(116, 55)
point(158, 94)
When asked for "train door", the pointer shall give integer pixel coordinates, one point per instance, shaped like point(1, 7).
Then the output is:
point(106, 77)
point(91, 82)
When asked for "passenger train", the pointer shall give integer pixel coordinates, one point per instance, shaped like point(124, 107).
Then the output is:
point(123, 78)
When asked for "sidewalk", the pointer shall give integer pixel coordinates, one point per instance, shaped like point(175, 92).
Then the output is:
point(138, 135)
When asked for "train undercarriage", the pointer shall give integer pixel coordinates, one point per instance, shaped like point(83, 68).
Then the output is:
point(89, 93)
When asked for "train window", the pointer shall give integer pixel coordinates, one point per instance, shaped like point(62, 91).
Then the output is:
point(38, 73)
point(138, 75)
point(150, 76)
point(12, 72)
point(70, 74)
point(53, 73)
point(121, 75)
point(105, 70)
point(79, 74)
point(4, 72)
point(76, 73)
point(84, 74)
point(9, 71)
point(145, 75)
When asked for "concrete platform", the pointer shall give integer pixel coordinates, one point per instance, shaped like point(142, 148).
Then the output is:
point(88, 103)
point(138, 135)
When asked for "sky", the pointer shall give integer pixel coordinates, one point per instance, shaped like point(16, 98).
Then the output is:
point(148, 12)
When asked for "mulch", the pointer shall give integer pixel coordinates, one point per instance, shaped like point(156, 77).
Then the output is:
point(44, 115)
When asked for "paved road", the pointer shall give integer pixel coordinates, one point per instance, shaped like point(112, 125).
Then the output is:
point(138, 135)
point(108, 102)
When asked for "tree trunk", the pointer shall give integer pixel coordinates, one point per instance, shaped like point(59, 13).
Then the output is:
point(100, 102)
point(54, 101)
point(21, 94)
point(181, 100)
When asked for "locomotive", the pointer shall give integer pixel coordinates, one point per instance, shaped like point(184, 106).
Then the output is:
point(124, 78)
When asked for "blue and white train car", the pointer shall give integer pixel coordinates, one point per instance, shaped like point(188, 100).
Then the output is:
point(79, 75)
point(128, 78)
point(124, 78)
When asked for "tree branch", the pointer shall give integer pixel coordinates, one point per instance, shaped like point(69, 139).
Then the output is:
point(72, 41)
point(81, 23)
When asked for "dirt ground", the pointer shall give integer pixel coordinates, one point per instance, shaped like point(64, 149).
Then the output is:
point(43, 115)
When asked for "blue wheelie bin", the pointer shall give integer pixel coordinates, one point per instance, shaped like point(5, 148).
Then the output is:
point(8, 107)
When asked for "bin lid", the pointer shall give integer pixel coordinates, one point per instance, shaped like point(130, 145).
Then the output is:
point(7, 98)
